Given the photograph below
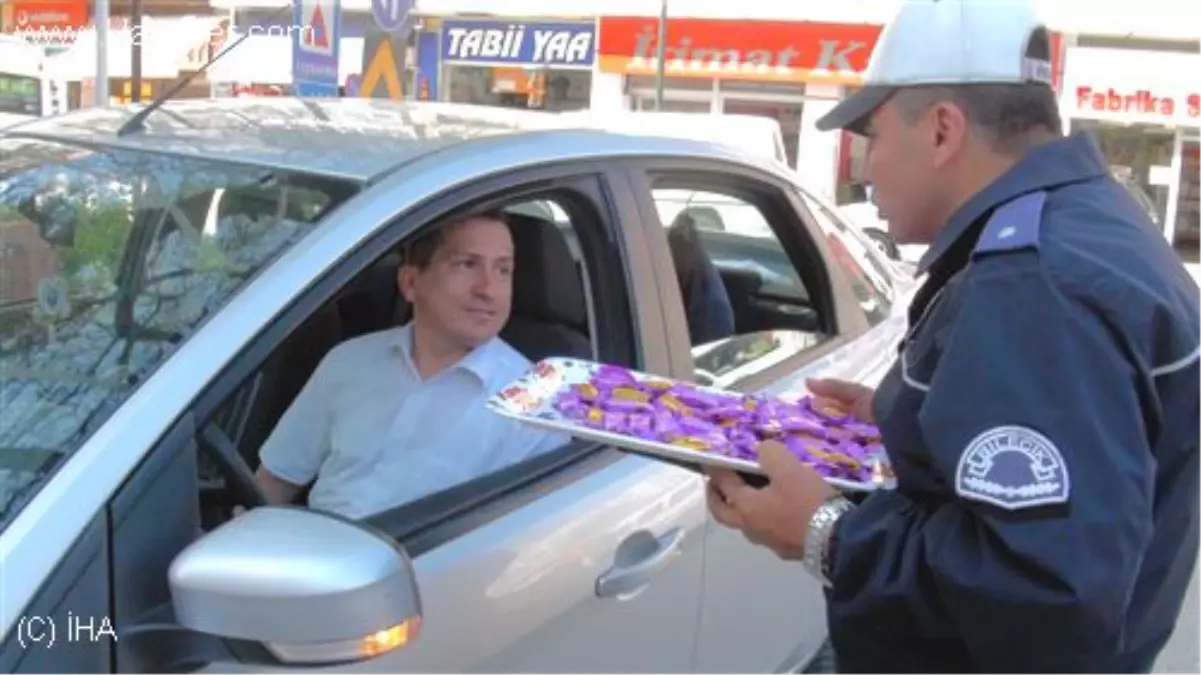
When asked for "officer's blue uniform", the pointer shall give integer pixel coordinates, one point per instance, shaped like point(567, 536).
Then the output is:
point(1042, 420)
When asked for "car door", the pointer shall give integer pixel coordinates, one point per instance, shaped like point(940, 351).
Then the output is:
point(586, 558)
point(760, 613)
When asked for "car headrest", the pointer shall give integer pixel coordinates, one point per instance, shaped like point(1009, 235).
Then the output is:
point(546, 285)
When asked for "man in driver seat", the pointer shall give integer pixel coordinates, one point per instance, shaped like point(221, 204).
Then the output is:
point(391, 416)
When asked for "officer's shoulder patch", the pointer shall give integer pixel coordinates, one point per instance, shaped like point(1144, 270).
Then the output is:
point(1012, 467)
point(1014, 225)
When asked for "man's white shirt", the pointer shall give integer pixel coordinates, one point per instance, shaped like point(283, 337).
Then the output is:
point(375, 435)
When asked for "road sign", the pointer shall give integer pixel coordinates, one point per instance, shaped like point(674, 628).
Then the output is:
point(383, 55)
point(391, 15)
point(316, 34)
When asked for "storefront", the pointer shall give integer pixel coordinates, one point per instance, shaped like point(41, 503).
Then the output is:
point(521, 63)
point(792, 72)
point(1145, 108)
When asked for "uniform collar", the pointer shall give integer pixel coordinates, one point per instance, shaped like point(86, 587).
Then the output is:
point(475, 363)
point(1066, 160)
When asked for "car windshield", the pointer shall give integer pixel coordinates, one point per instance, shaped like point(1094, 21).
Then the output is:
point(109, 260)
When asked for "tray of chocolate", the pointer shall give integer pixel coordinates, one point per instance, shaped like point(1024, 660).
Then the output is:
point(691, 425)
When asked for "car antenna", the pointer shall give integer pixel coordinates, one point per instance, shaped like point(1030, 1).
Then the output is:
point(137, 123)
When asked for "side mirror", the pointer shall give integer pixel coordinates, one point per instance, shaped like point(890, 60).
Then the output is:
point(312, 587)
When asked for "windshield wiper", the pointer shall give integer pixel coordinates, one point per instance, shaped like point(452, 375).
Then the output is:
point(137, 123)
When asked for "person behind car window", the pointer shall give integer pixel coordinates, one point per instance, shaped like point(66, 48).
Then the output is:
point(710, 315)
point(394, 415)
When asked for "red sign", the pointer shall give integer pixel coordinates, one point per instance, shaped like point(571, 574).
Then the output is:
point(30, 16)
point(771, 51)
point(1139, 102)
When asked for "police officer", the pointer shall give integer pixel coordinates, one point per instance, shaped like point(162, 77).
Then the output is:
point(1042, 413)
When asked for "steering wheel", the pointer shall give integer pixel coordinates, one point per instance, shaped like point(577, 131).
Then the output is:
point(234, 469)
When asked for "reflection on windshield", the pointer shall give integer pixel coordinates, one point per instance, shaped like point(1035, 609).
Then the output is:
point(108, 261)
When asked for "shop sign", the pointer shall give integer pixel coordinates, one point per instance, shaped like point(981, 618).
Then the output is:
point(1130, 86)
point(48, 22)
point(769, 51)
point(1138, 102)
point(557, 45)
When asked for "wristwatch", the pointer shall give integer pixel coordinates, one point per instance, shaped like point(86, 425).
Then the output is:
point(819, 545)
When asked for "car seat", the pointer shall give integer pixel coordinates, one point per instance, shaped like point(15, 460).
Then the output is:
point(550, 316)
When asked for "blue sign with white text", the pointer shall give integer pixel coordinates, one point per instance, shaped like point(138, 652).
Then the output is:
point(391, 15)
point(561, 45)
point(316, 34)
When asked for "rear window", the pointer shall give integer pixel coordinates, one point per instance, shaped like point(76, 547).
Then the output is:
point(109, 260)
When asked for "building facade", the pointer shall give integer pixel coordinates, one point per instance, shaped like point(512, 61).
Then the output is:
point(1144, 105)
point(789, 71)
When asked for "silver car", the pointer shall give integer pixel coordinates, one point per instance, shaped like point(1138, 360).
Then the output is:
point(167, 285)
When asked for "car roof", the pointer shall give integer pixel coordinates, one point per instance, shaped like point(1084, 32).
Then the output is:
point(352, 138)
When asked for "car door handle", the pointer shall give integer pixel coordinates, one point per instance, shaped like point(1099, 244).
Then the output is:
point(639, 558)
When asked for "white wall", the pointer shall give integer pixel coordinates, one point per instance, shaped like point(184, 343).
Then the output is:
point(606, 91)
point(817, 156)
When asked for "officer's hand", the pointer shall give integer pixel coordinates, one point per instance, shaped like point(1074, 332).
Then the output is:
point(776, 516)
point(855, 398)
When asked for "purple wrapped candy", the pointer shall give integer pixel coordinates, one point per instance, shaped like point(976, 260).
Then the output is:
point(838, 435)
point(731, 415)
point(593, 417)
point(616, 422)
point(629, 393)
point(695, 426)
point(810, 450)
point(571, 405)
point(625, 406)
point(586, 391)
point(701, 400)
point(670, 404)
point(799, 424)
point(656, 386)
point(827, 471)
point(665, 425)
point(642, 425)
point(742, 443)
point(863, 431)
point(611, 376)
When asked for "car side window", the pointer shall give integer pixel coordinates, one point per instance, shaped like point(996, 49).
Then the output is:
point(111, 260)
point(856, 257)
point(745, 300)
point(553, 314)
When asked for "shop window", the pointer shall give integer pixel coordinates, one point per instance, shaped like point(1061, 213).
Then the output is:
point(1188, 211)
point(126, 92)
point(517, 87)
point(647, 83)
point(852, 169)
point(1140, 156)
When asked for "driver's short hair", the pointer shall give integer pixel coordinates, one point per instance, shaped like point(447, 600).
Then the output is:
point(420, 252)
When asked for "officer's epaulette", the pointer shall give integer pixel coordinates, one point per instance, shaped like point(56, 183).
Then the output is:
point(1014, 225)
